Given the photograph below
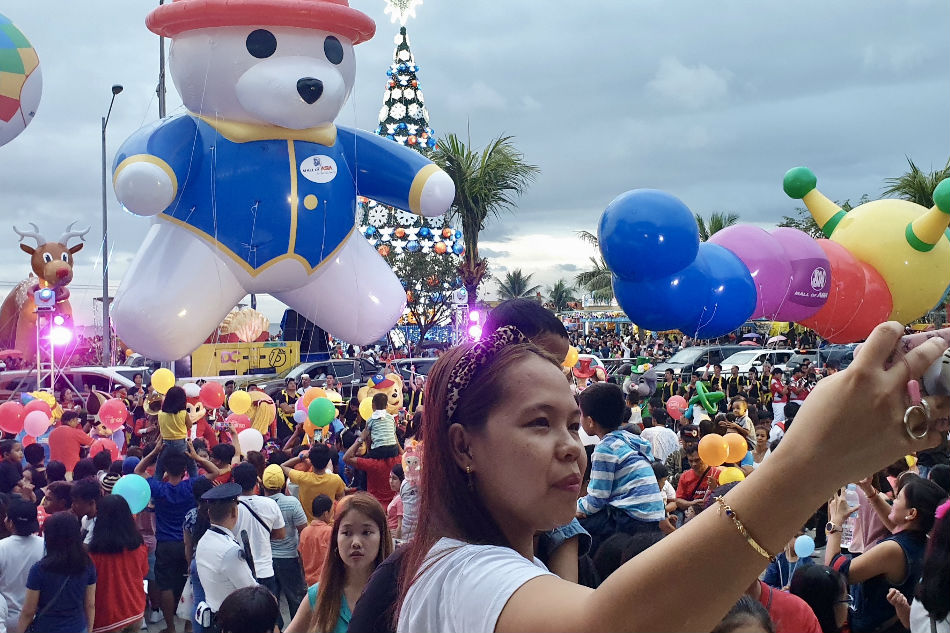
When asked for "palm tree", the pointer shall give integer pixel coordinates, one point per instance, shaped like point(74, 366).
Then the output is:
point(485, 184)
point(597, 280)
point(560, 295)
point(916, 185)
point(517, 285)
point(716, 223)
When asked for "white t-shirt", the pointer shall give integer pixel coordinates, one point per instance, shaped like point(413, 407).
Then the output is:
point(920, 620)
point(257, 534)
point(87, 525)
point(664, 441)
point(465, 589)
point(17, 555)
point(669, 492)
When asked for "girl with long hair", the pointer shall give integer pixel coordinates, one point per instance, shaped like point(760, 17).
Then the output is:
point(896, 562)
point(61, 587)
point(826, 592)
point(118, 551)
point(930, 610)
point(175, 428)
point(504, 461)
point(359, 542)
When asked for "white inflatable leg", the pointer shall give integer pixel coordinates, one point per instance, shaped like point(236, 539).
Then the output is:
point(355, 297)
point(176, 292)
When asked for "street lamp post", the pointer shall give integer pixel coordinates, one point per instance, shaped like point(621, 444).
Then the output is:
point(106, 321)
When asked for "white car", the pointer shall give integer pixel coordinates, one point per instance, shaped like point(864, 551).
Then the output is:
point(747, 359)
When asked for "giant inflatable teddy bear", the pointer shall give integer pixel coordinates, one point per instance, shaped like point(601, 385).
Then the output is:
point(253, 189)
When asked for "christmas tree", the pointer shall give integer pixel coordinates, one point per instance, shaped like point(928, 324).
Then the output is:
point(423, 252)
point(404, 119)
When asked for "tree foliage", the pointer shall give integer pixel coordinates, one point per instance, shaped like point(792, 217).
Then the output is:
point(517, 285)
point(596, 280)
point(716, 223)
point(429, 280)
point(486, 183)
point(916, 185)
point(559, 295)
point(803, 221)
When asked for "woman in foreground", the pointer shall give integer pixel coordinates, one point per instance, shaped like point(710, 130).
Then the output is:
point(505, 461)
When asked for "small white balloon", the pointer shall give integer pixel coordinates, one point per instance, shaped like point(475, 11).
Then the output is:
point(251, 440)
point(300, 416)
point(192, 390)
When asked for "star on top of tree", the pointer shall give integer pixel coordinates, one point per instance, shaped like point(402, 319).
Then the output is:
point(402, 10)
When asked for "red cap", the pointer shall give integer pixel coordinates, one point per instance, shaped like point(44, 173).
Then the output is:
point(334, 16)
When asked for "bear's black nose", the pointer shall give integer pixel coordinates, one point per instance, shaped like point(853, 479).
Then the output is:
point(309, 89)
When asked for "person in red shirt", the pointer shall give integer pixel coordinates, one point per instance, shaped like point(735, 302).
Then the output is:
point(694, 484)
point(377, 470)
point(779, 395)
point(121, 559)
point(66, 440)
point(789, 613)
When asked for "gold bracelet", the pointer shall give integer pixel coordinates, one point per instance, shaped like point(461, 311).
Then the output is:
point(744, 532)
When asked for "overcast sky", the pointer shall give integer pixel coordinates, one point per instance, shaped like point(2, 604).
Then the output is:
point(711, 101)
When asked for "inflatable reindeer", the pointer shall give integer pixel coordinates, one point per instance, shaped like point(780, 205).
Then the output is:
point(52, 264)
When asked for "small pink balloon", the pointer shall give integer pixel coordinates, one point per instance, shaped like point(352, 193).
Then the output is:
point(11, 417)
point(211, 395)
point(675, 406)
point(240, 421)
point(35, 423)
point(113, 414)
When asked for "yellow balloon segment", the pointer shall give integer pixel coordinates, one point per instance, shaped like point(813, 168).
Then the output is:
point(875, 233)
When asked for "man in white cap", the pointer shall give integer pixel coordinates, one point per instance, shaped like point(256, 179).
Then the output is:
point(304, 384)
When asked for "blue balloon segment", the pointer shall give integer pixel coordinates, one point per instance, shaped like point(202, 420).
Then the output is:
point(731, 297)
point(647, 234)
point(669, 303)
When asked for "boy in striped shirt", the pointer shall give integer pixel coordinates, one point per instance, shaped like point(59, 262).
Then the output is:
point(623, 494)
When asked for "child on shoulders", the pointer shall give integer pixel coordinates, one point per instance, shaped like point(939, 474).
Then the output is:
point(382, 428)
point(623, 494)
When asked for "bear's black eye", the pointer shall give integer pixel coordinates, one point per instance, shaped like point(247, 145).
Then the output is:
point(333, 50)
point(261, 43)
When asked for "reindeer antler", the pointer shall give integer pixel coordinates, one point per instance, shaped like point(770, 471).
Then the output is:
point(35, 234)
point(64, 240)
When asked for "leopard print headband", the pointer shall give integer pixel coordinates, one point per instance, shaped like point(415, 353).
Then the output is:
point(473, 360)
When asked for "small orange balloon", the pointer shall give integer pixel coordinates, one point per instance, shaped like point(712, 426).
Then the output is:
point(737, 446)
point(312, 394)
point(713, 449)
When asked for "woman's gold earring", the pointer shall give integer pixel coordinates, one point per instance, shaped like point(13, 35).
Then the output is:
point(471, 482)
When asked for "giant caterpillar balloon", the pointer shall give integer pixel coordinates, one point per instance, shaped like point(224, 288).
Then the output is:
point(885, 259)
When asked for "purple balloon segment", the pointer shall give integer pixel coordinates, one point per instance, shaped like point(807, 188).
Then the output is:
point(767, 261)
point(811, 275)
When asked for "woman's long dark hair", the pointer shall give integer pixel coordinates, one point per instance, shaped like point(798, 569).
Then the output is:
point(326, 612)
point(924, 496)
point(115, 530)
point(820, 586)
point(451, 507)
point(64, 551)
point(175, 400)
point(934, 584)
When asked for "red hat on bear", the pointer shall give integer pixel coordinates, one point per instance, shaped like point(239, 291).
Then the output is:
point(334, 16)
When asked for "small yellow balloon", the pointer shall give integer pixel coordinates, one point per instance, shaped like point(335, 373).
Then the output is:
point(239, 402)
point(729, 475)
point(163, 380)
point(366, 408)
point(571, 359)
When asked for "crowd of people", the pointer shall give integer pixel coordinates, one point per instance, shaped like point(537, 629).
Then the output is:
point(513, 497)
